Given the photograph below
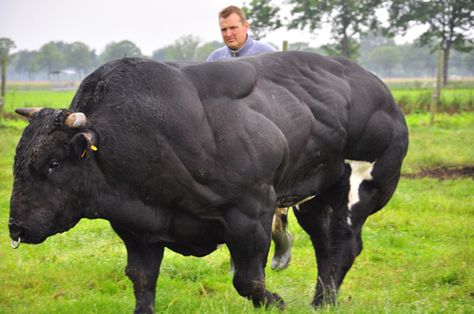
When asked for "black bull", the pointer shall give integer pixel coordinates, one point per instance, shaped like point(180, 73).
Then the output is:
point(190, 156)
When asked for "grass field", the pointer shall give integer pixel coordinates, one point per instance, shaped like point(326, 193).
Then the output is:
point(411, 97)
point(418, 252)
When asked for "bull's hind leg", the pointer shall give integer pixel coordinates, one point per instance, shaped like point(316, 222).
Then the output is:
point(334, 219)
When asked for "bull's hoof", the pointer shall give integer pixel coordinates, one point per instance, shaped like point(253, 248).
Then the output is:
point(271, 300)
point(282, 257)
point(274, 300)
point(328, 299)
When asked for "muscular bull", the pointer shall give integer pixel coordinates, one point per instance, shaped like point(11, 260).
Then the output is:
point(191, 156)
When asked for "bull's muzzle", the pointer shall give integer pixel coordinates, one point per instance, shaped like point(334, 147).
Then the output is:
point(16, 243)
point(15, 233)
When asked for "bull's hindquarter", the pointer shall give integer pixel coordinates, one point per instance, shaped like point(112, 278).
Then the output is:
point(191, 156)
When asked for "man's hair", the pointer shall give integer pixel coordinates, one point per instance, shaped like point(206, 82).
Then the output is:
point(224, 13)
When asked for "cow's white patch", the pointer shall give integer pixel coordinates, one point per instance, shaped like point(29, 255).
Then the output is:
point(361, 171)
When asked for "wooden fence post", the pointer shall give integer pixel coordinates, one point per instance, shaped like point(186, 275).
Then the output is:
point(2, 108)
point(435, 98)
point(284, 46)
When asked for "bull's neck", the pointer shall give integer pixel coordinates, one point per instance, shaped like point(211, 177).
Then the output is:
point(130, 212)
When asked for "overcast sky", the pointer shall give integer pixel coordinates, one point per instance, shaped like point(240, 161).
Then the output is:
point(150, 24)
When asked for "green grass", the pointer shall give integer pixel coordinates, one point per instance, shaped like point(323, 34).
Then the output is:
point(449, 142)
point(454, 99)
point(419, 100)
point(417, 258)
point(34, 98)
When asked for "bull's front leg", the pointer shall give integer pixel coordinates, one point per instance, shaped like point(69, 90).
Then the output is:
point(143, 267)
point(248, 239)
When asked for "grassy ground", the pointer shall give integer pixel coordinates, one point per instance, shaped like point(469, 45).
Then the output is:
point(418, 254)
point(452, 100)
point(412, 97)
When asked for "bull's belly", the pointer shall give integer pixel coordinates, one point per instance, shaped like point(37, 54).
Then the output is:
point(194, 236)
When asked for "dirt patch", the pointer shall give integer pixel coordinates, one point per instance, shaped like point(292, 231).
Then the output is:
point(443, 173)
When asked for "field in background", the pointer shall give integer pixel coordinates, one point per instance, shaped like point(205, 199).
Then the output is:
point(417, 258)
point(412, 95)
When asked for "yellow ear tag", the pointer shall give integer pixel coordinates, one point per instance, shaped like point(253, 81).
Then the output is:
point(94, 148)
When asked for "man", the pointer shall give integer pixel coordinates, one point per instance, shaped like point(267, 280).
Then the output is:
point(234, 30)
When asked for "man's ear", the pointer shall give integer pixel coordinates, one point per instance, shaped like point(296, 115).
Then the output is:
point(83, 143)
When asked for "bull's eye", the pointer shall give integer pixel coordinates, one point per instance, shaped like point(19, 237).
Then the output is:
point(53, 165)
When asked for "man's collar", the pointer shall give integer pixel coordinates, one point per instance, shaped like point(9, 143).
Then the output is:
point(243, 49)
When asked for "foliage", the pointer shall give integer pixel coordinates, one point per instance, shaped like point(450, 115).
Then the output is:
point(121, 49)
point(80, 57)
point(348, 19)
point(449, 24)
point(26, 62)
point(205, 49)
point(335, 49)
point(417, 253)
point(385, 58)
point(186, 48)
point(51, 56)
point(5, 45)
point(263, 17)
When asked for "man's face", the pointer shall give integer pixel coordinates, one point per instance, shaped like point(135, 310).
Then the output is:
point(233, 32)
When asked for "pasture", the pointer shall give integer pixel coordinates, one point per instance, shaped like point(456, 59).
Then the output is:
point(418, 251)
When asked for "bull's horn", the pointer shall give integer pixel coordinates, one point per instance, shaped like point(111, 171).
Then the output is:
point(30, 113)
point(76, 120)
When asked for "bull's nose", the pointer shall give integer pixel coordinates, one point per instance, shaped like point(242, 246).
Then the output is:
point(16, 231)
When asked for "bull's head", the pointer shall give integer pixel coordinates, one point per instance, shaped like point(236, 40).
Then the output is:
point(49, 173)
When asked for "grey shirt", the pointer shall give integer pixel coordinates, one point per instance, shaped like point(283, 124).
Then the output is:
point(251, 47)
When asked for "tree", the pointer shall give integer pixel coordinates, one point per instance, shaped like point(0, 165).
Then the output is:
point(301, 46)
point(124, 48)
point(184, 48)
point(79, 57)
point(25, 62)
point(263, 17)
point(161, 54)
point(415, 60)
point(6, 44)
point(205, 49)
point(51, 56)
point(335, 49)
point(384, 58)
point(449, 24)
point(349, 19)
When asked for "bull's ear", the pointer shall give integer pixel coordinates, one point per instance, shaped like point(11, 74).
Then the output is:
point(29, 113)
point(83, 143)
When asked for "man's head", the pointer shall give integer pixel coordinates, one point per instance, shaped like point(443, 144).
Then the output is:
point(234, 27)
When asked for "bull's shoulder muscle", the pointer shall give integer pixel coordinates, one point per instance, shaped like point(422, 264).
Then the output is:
point(228, 79)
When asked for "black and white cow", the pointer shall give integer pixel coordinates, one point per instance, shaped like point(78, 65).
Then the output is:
point(191, 156)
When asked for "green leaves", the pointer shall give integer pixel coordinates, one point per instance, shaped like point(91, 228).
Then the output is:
point(263, 16)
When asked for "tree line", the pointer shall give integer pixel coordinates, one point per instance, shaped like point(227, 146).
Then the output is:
point(448, 24)
point(377, 53)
